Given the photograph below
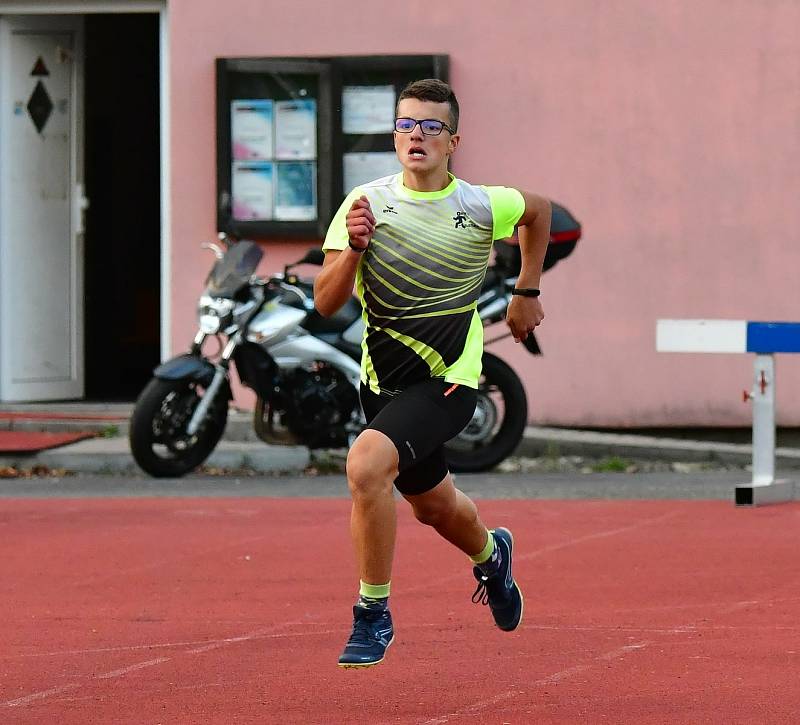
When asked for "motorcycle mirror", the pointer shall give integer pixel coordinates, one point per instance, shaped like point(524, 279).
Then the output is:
point(229, 238)
point(218, 253)
point(313, 256)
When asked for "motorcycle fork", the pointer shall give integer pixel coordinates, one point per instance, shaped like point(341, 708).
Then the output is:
point(197, 343)
point(221, 371)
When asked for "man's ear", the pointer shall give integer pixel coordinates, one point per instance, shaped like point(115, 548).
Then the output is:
point(454, 141)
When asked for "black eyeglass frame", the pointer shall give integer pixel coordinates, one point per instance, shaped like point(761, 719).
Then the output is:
point(419, 122)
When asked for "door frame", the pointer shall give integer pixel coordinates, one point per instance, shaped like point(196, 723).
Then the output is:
point(70, 383)
point(89, 7)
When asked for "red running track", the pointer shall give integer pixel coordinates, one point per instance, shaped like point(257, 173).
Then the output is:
point(234, 611)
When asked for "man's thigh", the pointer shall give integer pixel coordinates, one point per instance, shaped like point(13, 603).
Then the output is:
point(419, 421)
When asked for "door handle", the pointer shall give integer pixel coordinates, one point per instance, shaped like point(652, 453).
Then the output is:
point(79, 205)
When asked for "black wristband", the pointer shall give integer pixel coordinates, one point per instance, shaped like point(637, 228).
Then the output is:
point(358, 250)
point(526, 291)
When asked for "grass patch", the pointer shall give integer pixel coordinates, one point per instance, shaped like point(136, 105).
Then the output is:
point(325, 463)
point(552, 450)
point(612, 464)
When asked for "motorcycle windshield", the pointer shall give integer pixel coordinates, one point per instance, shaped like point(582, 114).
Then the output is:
point(234, 270)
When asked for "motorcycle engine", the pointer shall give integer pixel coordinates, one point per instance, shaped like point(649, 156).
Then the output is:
point(319, 402)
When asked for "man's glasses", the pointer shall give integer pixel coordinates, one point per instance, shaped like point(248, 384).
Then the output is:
point(429, 126)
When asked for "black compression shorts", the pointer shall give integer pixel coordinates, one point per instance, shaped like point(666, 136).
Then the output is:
point(419, 421)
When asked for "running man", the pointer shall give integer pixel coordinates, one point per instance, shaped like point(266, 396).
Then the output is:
point(416, 245)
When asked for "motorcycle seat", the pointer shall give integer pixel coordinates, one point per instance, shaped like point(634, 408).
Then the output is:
point(315, 323)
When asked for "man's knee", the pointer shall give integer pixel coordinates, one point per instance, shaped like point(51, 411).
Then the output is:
point(437, 506)
point(371, 463)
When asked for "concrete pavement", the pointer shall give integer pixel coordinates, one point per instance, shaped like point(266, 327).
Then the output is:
point(700, 485)
point(240, 450)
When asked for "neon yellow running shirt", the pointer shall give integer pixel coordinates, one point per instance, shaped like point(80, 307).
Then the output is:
point(421, 275)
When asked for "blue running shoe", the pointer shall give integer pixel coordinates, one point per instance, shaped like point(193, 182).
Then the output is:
point(372, 635)
point(499, 590)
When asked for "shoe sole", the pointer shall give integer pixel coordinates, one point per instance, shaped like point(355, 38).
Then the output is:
point(521, 598)
point(362, 665)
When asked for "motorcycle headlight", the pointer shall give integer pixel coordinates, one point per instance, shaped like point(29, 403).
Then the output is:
point(214, 314)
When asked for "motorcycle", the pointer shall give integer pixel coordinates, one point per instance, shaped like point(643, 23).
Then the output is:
point(305, 368)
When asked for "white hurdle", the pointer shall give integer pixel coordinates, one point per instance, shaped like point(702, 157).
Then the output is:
point(764, 339)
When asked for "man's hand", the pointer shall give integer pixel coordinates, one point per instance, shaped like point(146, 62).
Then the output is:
point(523, 316)
point(360, 223)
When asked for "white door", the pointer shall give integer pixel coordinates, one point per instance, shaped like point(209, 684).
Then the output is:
point(41, 208)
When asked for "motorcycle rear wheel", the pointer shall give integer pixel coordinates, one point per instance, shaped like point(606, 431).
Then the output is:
point(158, 439)
point(498, 425)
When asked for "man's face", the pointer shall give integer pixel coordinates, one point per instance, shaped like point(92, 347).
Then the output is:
point(416, 151)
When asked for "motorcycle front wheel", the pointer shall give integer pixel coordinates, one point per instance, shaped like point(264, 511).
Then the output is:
point(158, 438)
point(498, 423)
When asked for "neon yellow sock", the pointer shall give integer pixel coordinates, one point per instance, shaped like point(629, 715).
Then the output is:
point(487, 551)
point(374, 591)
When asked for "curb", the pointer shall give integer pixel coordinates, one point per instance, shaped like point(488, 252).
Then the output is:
point(539, 441)
point(113, 456)
point(241, 450)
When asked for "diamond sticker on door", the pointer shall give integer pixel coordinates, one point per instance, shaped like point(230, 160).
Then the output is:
point(39, 68)
point(39, 106)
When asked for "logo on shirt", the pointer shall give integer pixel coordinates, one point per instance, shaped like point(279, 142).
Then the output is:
point(389, 210)
point(462, 221)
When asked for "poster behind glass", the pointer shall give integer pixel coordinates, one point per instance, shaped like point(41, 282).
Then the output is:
point(296, 129)
point(274, 159)
point(252, 190)
point(251, 129)
point(360, 168)
point(296, 191)
point(368, 109)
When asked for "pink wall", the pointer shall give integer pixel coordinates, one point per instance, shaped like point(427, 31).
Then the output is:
point(670, 129)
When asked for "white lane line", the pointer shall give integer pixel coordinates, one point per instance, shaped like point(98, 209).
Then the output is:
point(132, 647)
point(263, 633)
point(682, 629)
point(117, 572)
point(259, 634)
point(562, 675)
point(611, 628)
point(591, 537)
point(620, 651)
point(132, 668)
point(557, 547)
point(477, 707)
point(275, 635)
point(217, 643)
point(736, 606)
point(100, 650)
point(34, 696)
point(605, 657)
point(202, 644)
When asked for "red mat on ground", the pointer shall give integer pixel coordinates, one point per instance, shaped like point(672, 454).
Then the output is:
point(235, 610)
point(22, 415)
point(12, 441)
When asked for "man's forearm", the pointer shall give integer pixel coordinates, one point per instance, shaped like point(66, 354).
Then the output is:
point(334, 285)
point(534, 236)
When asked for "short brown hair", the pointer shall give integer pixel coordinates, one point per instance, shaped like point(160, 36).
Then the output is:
point(432, 89)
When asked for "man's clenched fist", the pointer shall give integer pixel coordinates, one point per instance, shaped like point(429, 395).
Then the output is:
point(360, 223)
